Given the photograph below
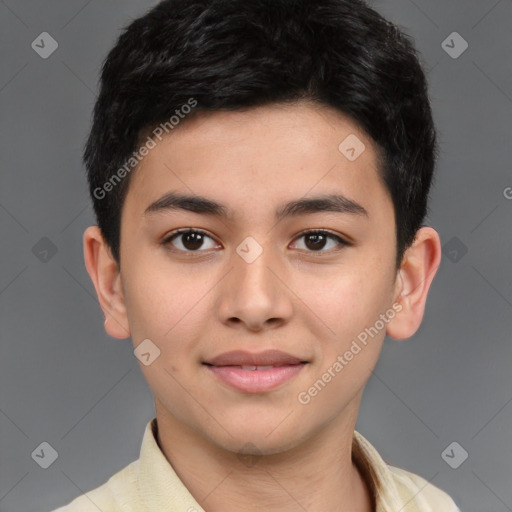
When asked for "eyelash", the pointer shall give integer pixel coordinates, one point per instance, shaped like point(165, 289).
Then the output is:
point(175, 234)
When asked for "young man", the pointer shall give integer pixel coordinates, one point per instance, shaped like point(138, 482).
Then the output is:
point(260, 173)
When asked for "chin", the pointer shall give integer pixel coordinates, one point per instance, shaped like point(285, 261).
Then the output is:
point(258, 439)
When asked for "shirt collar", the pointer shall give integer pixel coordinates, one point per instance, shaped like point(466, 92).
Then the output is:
point(158, 483)
point(377, 474)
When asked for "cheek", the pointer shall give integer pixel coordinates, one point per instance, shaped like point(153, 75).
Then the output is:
point(345, 307)
point(169, 308)
point(156, 301)
point(338, 300)
point(160, 310)
point(350, 348)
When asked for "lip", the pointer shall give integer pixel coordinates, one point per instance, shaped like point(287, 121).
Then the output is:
point(265, 358)
point(228, 368)
point(255, 381)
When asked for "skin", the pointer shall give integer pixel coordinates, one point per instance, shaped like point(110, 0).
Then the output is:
point(309, 303)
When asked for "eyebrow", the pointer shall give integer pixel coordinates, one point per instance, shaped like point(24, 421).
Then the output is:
point(198, 204)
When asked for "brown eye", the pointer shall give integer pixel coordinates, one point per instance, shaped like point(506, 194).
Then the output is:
point(188, 240)
point(315, 241)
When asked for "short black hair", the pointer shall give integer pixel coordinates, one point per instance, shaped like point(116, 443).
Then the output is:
point(238, 54)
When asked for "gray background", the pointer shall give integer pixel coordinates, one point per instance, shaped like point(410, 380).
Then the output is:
point(64, 381)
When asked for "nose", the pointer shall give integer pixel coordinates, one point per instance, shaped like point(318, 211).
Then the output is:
point(254, 296)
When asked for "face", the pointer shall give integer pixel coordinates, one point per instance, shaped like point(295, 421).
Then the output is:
point(244, 278)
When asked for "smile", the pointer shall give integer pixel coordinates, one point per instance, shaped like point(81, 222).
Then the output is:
point(253, 378)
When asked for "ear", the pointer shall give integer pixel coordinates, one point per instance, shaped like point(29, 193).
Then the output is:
point(419, 266)
point(105, 275)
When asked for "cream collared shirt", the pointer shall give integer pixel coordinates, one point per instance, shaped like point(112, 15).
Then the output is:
point(150, 484)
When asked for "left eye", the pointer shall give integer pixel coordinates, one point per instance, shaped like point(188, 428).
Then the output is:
point(316, 240)
point(193, 239)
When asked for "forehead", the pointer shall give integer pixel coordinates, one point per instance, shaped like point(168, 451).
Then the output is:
point(250, 159)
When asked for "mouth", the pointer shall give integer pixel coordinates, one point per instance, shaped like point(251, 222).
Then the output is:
point(252, 372)
point(255, 378)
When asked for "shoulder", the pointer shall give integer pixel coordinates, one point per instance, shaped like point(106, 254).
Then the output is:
point(420, 493)
point(115, 495)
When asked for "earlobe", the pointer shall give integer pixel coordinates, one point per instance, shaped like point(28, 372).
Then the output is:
point(104, 273)
point(419, 266)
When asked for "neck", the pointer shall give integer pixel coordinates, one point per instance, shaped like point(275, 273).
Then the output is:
point(317, 475)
